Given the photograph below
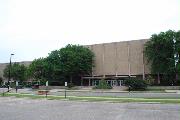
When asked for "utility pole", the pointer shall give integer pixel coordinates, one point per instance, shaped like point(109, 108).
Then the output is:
point(9, 78)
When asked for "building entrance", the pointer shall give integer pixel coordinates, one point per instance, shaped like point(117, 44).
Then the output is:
point(120, 82)
point(110, 82)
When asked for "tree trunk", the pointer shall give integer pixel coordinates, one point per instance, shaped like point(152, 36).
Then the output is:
point(176, 79)
point(158, 81)
point(71, 79)
point(81, 81)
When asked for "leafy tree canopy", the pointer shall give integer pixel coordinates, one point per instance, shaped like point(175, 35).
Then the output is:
point(160, 51)
point(37, 69)
point(76, 60)
point(18, 71)
point(70, 61)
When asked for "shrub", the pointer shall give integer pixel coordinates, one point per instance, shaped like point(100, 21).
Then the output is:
point(13, 84)
point(70, 85)
point(1, 80)
point(103, 85)
point(150, 80)
point(136, 84)
point(27, 85)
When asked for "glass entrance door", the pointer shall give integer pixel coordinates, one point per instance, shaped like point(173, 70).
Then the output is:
point(120, 82)
point(114, 83)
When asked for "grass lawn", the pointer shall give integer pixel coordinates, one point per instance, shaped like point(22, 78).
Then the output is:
point(93, 98)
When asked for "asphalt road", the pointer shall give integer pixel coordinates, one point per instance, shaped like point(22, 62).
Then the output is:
point(27, 109)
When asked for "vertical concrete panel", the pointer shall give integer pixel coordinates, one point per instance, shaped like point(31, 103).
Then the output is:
point(109, 59)
point(122, 58)
point(98, 52)
point(136, 57)
point(147, 67)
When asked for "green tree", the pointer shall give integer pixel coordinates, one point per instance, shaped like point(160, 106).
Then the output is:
point(44, 69)
point(75, 61)
point(37, 69)
point(160, 52)
point(54, 66)
point(68, 62)
point(18, 72)
point(177, 37)
point(1, 80)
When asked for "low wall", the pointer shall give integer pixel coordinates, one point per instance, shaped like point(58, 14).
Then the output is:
point(118, 88)
point(63, 87)
point(51, 87)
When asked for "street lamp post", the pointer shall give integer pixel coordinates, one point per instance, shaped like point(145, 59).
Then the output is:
point(9, 72)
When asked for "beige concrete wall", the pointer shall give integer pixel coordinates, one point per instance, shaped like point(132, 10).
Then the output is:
point(136, 57)
point(120, 58)
point(98, 51)
point(109, 59)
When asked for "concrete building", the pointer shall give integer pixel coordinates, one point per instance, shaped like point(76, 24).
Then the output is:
point(114, 62)
point(118, 60)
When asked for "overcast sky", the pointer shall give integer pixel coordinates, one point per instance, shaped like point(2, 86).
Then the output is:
point(32, 28)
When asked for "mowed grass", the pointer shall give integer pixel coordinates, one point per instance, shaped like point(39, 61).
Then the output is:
point(94, 99)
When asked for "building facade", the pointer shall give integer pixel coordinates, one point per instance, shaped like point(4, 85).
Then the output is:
point(118, 60)
point(114, 62)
